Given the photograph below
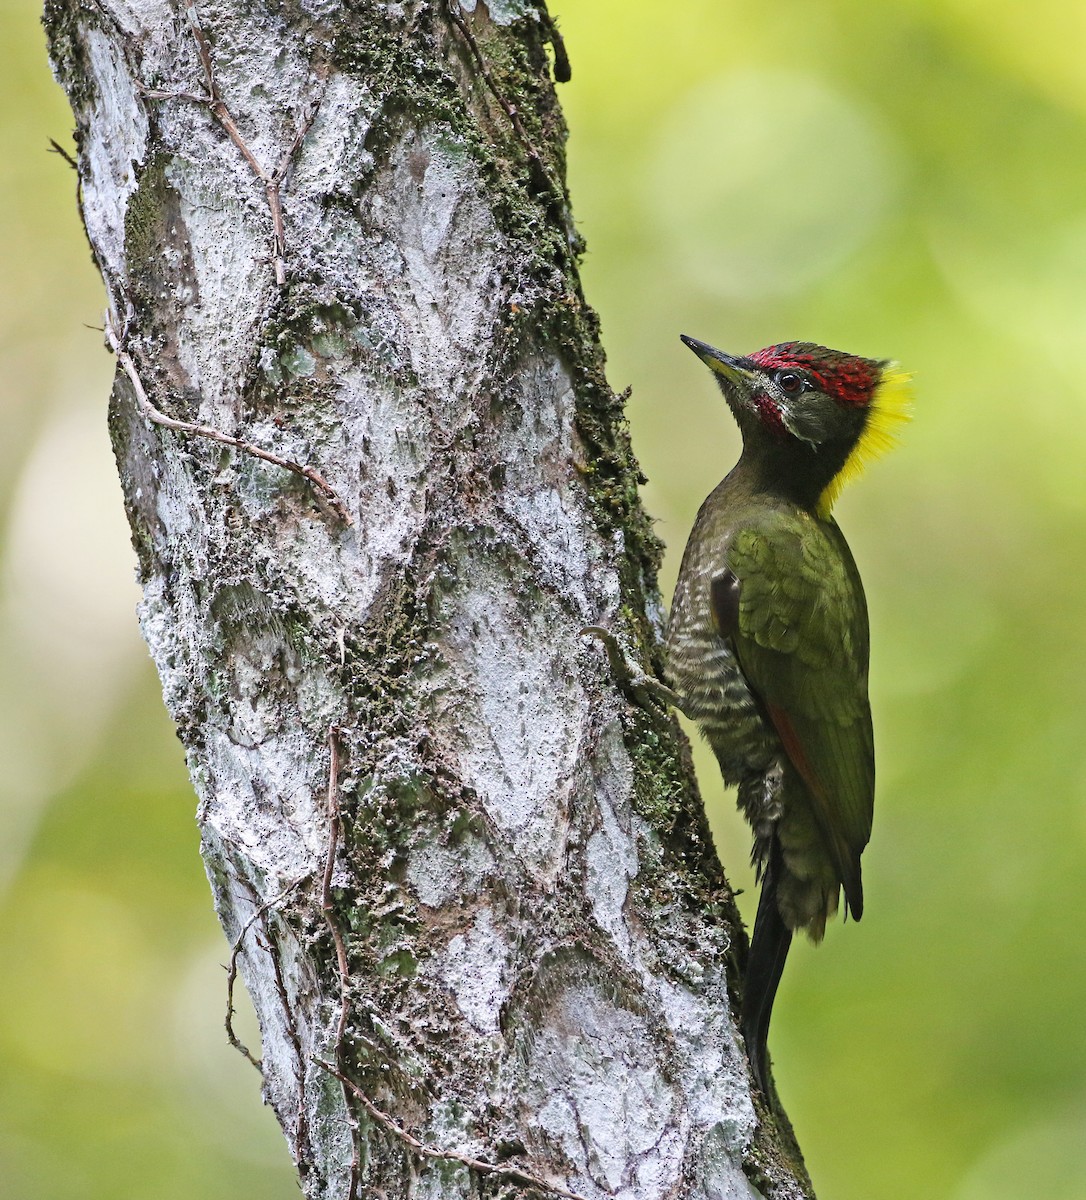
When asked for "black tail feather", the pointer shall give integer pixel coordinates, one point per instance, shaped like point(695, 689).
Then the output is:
point(765, 964)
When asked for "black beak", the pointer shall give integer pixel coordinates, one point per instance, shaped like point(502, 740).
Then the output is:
point(736, 369)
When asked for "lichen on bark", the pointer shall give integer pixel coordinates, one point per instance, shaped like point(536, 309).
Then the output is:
point(540, 945)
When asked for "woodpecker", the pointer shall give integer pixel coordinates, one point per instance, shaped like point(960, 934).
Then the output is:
point(767, 643)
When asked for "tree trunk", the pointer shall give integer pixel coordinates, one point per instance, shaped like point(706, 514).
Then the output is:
point(377, 485)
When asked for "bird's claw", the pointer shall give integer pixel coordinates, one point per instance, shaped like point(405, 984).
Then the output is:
point(624, 669)
point(627, 672)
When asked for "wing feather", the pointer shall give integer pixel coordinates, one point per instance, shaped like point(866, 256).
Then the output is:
point(801, 639)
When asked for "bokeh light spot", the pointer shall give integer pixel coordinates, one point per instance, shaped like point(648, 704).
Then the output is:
point(764, 181)
point(1043, 1160)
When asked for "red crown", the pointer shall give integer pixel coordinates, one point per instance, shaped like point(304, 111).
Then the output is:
point(846, 377)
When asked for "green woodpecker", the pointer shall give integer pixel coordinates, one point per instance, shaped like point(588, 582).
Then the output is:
point(767, 643)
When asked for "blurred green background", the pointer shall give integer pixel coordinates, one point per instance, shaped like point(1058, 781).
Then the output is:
point(905, 179)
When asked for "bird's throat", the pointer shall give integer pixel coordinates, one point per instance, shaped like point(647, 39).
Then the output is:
point(791, 473)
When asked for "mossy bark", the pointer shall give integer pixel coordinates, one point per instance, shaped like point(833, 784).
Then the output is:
point(541, 949)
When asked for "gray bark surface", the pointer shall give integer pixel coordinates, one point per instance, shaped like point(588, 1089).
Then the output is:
point(474, 896)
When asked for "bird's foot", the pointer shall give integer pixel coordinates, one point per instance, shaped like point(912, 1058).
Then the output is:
point(628, 673)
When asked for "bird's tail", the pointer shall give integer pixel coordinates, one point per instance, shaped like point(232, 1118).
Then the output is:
point(765, 963)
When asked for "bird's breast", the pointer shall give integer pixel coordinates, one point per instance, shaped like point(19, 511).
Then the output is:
point(703, 669)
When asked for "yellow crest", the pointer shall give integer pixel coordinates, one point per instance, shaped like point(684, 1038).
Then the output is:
point(889, 408)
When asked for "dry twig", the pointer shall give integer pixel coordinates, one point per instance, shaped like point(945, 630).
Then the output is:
point(511, 1174)
point(303, 1148)
point(56, 148)
point(328, 909)
point(272, 181)
point(215, 435)
point(232, 968)
point(511, 110)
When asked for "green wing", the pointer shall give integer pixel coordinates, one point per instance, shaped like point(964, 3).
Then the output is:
point(798, 622)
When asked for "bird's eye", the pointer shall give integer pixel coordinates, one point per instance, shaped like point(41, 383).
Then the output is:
point(790, 382)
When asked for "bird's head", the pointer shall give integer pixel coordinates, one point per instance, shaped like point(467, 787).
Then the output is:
point(812, 417)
